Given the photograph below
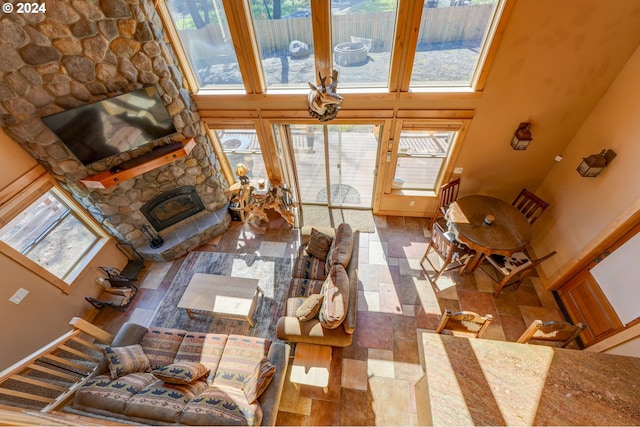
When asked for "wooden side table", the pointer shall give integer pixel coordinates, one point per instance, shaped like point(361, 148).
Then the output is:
point(311, 365)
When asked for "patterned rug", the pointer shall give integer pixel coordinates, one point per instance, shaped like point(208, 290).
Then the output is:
point(274, 275)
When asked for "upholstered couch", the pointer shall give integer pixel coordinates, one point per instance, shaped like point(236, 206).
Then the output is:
point(186, 378)
point(309, 274)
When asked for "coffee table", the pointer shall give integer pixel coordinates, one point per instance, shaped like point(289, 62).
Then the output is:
point(221, 296)
point(311, 365)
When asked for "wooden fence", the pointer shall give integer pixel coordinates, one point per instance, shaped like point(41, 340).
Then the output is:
point(439, 25)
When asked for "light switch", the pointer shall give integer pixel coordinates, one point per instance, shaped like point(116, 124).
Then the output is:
point(457, 171)
point(19, 296)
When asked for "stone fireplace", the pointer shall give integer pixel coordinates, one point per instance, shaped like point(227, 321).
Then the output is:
point(82, 52)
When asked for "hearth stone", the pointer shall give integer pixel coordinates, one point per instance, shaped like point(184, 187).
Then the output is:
point(183, 239)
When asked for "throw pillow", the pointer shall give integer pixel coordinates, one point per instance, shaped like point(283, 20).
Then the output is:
point(335, 304)
point(319, 244)
point(310, 307)
point(256, 383)
point(182, 372)
point(126, 360)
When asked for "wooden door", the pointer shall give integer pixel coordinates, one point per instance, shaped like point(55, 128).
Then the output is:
point(586, 303)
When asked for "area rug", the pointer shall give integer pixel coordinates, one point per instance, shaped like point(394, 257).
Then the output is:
point(274, 275)
point(322, 216)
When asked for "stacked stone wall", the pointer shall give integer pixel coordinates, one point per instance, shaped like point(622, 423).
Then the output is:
point(83, 51)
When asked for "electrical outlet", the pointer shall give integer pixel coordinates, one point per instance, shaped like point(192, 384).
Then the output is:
point(19, 296)
point(412, 203)
point(458, 171)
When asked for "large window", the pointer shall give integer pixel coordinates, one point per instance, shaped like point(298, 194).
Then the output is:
point(421, 157)
point(453, 37)
point(367, 41)
point(206, 40)
point(362, 41)
point(285, 41)
point(42, 227)
point(242, 146)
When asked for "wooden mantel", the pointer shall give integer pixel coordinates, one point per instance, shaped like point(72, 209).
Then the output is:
point(139, 165)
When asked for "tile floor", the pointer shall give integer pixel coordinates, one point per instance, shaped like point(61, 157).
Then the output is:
point(371, 381)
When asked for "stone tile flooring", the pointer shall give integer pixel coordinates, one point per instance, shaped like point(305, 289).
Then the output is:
point(371, 381)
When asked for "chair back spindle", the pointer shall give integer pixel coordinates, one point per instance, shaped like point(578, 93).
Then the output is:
point(530, 205)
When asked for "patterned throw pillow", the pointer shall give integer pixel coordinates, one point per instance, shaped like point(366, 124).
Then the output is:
point(336, 298)
point(259, 380)
point(319, 244)
point(126, 360)
point(181, 372)
point(310, 307)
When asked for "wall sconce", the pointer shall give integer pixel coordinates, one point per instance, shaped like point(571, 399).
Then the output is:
point(522, 137)
point(242, 171)
point(591, 166)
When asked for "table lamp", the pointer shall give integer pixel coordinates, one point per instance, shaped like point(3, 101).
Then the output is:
point(242, 171)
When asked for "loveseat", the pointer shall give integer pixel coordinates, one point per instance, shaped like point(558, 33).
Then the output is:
point(163, 376)
point(309, 274)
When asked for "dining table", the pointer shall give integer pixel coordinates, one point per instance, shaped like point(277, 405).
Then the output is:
point(487, 225)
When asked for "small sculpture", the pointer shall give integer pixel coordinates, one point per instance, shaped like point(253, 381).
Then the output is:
point(324, 102)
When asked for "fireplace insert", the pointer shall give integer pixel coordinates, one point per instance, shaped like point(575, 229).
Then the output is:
point(172, 206)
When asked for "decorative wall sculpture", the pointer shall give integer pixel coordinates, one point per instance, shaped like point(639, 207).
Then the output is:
point(324, 102)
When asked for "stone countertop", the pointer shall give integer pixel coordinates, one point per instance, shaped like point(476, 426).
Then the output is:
point(486, 382)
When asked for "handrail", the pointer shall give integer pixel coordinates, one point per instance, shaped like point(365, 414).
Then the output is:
point(73, 373)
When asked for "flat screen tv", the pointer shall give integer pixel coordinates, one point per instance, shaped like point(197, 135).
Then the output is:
point(112, 126)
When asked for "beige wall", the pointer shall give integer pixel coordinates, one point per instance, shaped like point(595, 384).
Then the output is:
point(583, 210)
point(14, 162)
point(45, 312)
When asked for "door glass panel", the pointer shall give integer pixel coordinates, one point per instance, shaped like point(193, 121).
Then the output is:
point(362, 38)
point(452, 38)
point(204, 34)
point(242, 146)
point(421, 155)
point(352, 162)
point(308, 148)
point(285, 41)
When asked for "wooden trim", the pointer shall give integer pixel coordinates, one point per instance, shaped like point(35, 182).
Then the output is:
point(321, 24)
point(244, 43)
point(167, 23)
point(89, 328)
point(227, 171)
point(623, 224)
point(627, 334)
point(18, 186)
point(409, 40)
point(496, 32)
point(108, 179)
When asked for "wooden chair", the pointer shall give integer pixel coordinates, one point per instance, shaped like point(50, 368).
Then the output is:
point(466, 322)
point(554, 331)
point(530, 205)
point(510, 271)
point(448, 195)
point(452, 253)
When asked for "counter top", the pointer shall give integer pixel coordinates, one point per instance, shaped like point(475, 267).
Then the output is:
point(486, 382)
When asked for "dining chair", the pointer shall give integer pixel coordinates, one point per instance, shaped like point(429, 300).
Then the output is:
point(452, 254)
point(448, 195)
point(465, 322)
point(554, 331)
point(530, 205)
point(511, 270)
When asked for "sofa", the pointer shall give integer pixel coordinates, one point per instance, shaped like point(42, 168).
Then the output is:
point(162, 376)
point(310, 276)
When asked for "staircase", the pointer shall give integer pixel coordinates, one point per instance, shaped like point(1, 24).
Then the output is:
point(47, 379)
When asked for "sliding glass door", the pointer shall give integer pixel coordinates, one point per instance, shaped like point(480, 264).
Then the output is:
point(335, 164)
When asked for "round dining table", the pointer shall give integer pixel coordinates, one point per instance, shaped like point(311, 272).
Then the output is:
point(504, 232)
